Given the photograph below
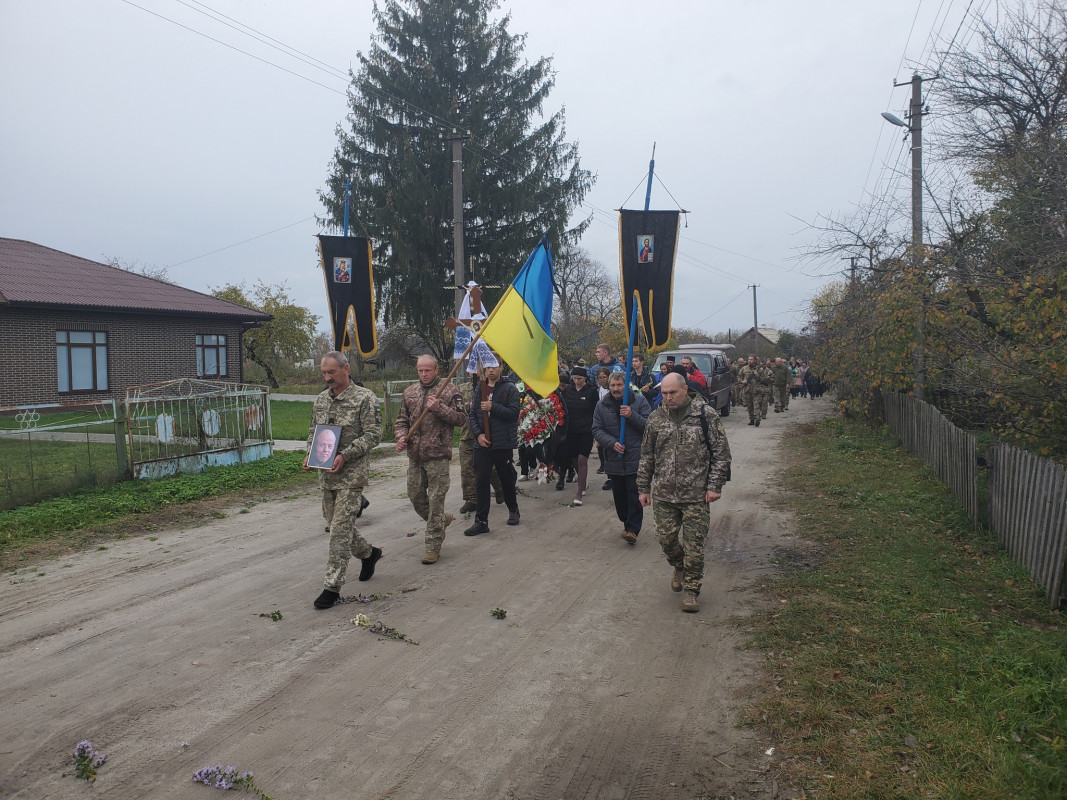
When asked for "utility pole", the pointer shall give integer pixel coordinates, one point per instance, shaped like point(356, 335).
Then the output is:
point(755, 325)
point(457, 214)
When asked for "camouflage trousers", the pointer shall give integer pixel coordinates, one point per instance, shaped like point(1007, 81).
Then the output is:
point(781, 397)
point(755, 402)
point(428, 483)
point(736, 394)
point(467, 478)
point(340, 506)
point(681, 529)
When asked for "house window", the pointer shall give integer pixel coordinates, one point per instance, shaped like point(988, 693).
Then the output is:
point(210, 355)
point(81, 361)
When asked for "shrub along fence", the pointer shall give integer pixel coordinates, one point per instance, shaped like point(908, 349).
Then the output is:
point(1026, 496)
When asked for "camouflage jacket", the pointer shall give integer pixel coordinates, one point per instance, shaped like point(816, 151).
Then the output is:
point(433, 439)
point(781, 375)
point(677, 464)
point(761, 376)
point(356, 411)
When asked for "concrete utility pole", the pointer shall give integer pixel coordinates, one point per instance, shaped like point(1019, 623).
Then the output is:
point(457, 214)
point(755, 325)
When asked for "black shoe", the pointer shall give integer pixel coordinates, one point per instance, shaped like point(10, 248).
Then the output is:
point(363, 503)
point(570, 476)
point(327, 598)
point(559, 483)
point(607, 485)
point(476, 528)
point(499, 499)
point(600, 471)
point(756, 423)
point(366, 572)
point(513, 517)
point(752, 422)
point(467, 507)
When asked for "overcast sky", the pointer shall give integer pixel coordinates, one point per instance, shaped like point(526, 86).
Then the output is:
point(126, 133)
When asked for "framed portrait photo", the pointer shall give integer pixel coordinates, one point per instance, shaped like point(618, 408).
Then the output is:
point(324, 446)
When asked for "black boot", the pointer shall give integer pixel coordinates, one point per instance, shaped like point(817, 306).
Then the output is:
point(559, 483)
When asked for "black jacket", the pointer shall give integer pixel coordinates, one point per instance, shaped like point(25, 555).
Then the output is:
point(503, 416)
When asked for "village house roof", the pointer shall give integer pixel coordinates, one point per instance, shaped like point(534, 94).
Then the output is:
point(32, 275)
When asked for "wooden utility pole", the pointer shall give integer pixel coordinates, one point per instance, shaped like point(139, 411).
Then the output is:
point(457, 214)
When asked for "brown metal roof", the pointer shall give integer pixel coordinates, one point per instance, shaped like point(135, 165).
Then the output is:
point(34, 275)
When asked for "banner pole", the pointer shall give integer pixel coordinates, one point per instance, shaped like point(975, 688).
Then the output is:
point(633, 316)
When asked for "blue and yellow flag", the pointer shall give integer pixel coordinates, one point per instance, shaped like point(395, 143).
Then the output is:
point(520, 327)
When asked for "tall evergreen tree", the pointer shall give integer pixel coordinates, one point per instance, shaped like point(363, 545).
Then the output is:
point(435, 69)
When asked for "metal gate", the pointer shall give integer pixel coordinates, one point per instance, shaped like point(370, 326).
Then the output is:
point(185, 425)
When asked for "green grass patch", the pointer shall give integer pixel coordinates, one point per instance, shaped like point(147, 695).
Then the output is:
point(55, 522)
point(290, 419)
point(915, 660)
point(33, 468)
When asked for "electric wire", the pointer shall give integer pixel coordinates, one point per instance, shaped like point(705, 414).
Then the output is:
point(243, 241)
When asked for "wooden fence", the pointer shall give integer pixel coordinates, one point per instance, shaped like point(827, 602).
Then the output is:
point(1026, 495)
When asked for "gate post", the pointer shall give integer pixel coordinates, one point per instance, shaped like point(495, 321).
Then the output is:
point(121, 452)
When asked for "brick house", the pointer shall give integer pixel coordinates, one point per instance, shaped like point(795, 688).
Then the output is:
point(74, 329)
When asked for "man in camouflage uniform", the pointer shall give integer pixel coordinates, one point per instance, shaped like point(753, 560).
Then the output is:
point(753, 378)
point(429, 448)
point(355, 410)
point(467, 479)
point(781, 377)
point(735, 389)
point(685, 460)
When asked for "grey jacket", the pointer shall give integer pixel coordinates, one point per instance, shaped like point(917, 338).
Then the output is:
point(606, 419)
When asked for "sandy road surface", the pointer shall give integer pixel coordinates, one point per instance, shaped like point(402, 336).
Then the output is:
point(596, 685)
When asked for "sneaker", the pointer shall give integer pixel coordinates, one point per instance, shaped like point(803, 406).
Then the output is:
point(607, 485)
point(363, 503)
point(523, 477)
point(476, 528)
point(327, 599)
point(570, 476)
point(577, 501)
point(630, 537)
point(467, 507)
point(430, 557)
point(559, 483)
point(690, 603)
point(513, 517)
point(366, 572)
point(600, 471)
point(676, 581)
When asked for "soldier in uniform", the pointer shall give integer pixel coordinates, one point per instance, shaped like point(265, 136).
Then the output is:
point(355, 410)
point(751, 377)
point(781, 377)
point(685, 460)
point(735, 390)
point(429, 449)
point(468, 480)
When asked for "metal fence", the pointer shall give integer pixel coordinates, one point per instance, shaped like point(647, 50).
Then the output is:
point(1026, 494)
point(185, 425)
point(56, 448)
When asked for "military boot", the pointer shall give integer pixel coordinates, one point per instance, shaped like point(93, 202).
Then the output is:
point(690, 603)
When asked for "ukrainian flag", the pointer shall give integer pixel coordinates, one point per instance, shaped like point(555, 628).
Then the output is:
point(520, 327)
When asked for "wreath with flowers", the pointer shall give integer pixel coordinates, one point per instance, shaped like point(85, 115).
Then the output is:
point(538, 418)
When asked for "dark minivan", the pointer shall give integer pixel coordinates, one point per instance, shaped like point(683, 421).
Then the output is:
point(712, 360)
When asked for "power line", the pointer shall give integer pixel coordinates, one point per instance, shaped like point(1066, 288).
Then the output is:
point(244, 241)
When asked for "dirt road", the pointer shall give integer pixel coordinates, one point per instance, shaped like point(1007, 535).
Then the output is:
point(595, 685)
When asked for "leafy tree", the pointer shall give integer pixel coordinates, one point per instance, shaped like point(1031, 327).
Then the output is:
point(437, 69)
point(285, 339)
point(586, 302)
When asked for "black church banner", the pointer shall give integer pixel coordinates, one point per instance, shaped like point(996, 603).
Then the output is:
point(647, 244)
point(346, 266)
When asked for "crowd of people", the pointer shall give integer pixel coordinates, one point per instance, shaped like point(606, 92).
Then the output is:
point(659, 443)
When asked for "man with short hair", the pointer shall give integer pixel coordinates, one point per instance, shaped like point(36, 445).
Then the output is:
point(685, 460)
point(322, 449)
point(622, 458)
point(638, 376)
point(429, 448)
point(753, 378)
point(694, 373)
point(604, 358)
point(355, 410)
point(496, 399)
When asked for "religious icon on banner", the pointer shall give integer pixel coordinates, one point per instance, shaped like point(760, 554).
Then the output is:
point(342, 270)
point(644, 248)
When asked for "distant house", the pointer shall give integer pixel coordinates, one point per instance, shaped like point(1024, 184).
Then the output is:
point(74, 329)
point(758, 340)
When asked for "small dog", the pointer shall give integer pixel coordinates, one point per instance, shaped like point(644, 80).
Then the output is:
point(542, 474)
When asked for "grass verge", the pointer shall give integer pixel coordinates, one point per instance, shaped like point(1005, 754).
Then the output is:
point(67, 523)
point(915, 660)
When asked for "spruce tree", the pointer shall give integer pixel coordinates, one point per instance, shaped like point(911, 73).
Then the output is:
point(435, 69)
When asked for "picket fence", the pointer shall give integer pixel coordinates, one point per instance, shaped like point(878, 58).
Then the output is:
point(1026, 496)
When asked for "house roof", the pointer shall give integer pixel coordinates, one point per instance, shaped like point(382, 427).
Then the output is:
point(37, 276)
point(770, 334)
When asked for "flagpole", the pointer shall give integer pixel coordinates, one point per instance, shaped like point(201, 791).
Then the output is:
point(633, 316)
